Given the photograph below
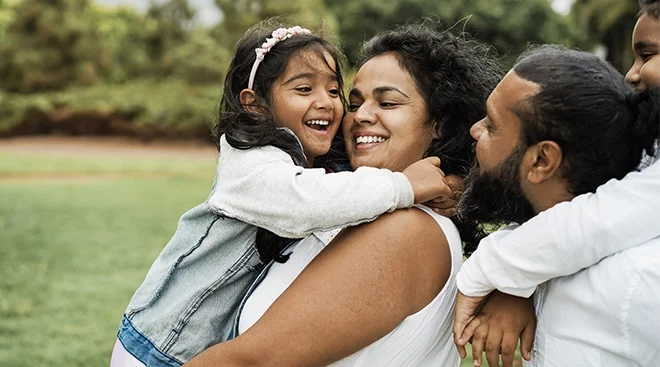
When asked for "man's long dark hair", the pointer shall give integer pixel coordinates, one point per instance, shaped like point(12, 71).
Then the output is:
point(586, 107)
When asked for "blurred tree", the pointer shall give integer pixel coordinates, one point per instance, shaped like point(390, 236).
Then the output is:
point(201, 60)
point(239, 15)
point(609, 23)
point(507, 25)
point(125, 35)
point(50, 45)
point(7, 15)
point(174, 20)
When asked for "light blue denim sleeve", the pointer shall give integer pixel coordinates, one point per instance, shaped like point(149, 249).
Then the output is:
point(567, 238)
point(261, 186)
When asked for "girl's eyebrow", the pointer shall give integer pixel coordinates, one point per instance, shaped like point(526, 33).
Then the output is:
point(307, 75)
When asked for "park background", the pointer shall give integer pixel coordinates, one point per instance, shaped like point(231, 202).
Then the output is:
point(105, 115)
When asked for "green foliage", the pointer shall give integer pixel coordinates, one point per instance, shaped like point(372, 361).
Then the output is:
point(169, 108)
point(199, 61)
point(609, 23)
point(125, 35)
point(50, 46)
point(238, 16)
point(508, 25)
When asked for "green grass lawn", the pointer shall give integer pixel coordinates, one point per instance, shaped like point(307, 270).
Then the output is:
point(78, 235)
point(73, 251)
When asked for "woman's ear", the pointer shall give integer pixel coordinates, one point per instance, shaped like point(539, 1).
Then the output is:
point(436, 130)
point(249, 100)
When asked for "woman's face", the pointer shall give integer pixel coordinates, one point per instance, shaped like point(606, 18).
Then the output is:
point(385, 125)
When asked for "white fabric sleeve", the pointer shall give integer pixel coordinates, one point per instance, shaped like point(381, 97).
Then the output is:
point(263, 187)
point(567, 238)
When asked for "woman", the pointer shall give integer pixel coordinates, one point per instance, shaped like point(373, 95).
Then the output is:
point(380, 293)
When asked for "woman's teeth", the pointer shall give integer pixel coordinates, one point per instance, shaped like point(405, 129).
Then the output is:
point(369, 139)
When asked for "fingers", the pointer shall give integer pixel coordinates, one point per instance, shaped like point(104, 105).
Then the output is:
point(461, 351)
point(446, 212)
point(527, 340)
point(493, 342)
point(456, 183)
point(508, 348)
point(435, 161)
point(469, 331)
point(479, 342)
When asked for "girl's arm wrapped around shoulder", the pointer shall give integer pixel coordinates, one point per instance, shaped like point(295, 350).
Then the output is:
point(263, 187)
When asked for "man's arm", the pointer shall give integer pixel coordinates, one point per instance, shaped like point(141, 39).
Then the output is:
point(356, 291)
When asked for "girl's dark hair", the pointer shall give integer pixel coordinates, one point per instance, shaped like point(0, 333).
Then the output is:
point(584, 105)
point(246, 129)
point(650, 7)
point(455, 76)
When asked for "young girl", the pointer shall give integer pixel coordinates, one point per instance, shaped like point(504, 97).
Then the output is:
point(281, 107)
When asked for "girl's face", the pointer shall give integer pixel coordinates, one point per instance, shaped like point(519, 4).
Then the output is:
point(305, 98)
point(386, 125)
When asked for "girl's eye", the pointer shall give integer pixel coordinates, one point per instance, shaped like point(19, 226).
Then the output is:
point(647, 55)
point(388, 104)
point(304, 89)
point(334, 92)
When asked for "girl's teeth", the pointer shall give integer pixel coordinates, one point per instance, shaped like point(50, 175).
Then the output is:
point(318, 122)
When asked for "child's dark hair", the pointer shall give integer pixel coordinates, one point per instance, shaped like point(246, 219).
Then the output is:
point(455, 76)
point(649, 7)
point(245, 129)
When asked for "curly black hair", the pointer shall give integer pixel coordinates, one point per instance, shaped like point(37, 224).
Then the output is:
point(455, 75)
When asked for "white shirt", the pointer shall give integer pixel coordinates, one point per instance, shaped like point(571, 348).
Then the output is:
point(422, 339)
point(606, 315)
point(567, 237)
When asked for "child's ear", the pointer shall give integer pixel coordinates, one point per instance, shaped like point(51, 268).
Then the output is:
point(249, 100)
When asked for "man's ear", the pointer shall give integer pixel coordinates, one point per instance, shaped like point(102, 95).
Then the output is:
point(545, 159)
point(249, 100)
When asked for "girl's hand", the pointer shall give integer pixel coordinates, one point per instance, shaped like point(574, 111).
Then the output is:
point(447, 205)
point(502, 320)
point(427, 180)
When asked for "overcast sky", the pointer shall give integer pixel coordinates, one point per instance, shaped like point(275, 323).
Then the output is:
point(207, 12)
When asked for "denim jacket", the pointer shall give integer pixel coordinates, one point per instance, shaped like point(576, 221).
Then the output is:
point(190, 296)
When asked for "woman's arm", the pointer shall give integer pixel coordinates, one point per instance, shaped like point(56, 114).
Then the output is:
point(261, 186)
point(356, 291)
point(567, 238)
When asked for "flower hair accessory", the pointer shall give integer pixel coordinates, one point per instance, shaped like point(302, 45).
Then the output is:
point(278, 35)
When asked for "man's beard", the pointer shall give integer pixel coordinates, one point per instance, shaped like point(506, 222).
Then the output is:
point(496, 196)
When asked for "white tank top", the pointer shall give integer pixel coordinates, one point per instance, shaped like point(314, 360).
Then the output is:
point(421, 339)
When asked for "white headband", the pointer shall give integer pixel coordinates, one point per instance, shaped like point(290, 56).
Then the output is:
point(278, 35)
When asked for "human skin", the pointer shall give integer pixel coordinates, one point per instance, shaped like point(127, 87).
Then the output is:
point(369, 278)
point(645, 71)
point(305, 99)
